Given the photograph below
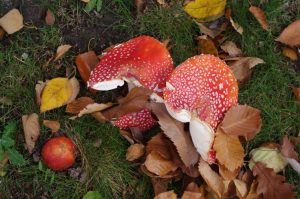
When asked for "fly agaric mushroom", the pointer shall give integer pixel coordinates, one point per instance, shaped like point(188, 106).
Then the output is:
point(141, 61)
point(200, 91)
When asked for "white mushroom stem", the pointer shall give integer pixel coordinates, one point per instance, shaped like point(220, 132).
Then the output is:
point(203, 136)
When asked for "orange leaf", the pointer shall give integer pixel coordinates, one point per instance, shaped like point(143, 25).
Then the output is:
point(53, 125)
point(166, 195)
point(291, 34)
point(49, 19)
point(85, 63)
point(206, 46)
point(226, 174)
point(160, 185)
point(242, 120)
point(79, 104)
point(229, 150)
point(290, 53)
point(270, 185)
point(135, 151)
point(296, 92)
point(260, 16)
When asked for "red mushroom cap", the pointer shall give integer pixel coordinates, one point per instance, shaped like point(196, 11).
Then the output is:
point(143, 59)
point(203, 85)
point(142, 120)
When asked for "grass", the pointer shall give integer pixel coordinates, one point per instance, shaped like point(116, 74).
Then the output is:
point(269, 89)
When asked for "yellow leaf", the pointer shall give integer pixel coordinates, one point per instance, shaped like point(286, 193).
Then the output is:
point(56, 93)
point(205, 9)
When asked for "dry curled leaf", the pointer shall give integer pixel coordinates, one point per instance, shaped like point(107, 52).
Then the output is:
point(229, 150)
point(135, 151)
point(260, 16)
point(85, 63)
point(296, 92)
point(166, 195)
point(50, 18)
point(211, 178)
point(128, 136)
point(12, 21)
point(53, 125)
point(61, 50)
point(235, 25)
point(291, 34)
point(206, 46)
point(270, 185)
point(242, 120)
point(175, 131)
point(31, 128)
point(231, 48)
point(79, 104)
point(290, 53)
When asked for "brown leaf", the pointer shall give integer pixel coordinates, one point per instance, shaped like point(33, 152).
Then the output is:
point(242, 67)
point(212, 32)
point(191, 195)
point(160, 185)
point(242, 120)
point(92, 108)
point(288, 149)
point(241, 188)
point(85, 63)
point(61, 50)
point(140, 6)
point(291, 34)
point(31, 128)
point(231, 48)
point(296, 92)
point(290, 53)
point(2, 33)
point(229, 150)
point(252, 193)
point(226, 174)
point(53, 125)
point(50, 18)
point(12, 21)
point(206, 46)
point(135, 100)
point(192, 187)
point(3, 164)
point(163, 3)
point(175, 131)
point(260, 16)
point(270, 185)
point(166, 195)
point(75, 87)
point(158, 165)
point(79, 104)
point(211, 178)
point(135, 151)
point(99, 117)
point(235, 25)
point(127, 136)
point(38, 91)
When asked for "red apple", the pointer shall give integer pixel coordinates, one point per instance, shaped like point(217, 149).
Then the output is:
point(59, 153)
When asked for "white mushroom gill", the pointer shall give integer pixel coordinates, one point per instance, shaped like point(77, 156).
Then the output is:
point(108, 85)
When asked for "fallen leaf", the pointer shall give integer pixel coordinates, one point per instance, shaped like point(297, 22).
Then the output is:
point(231, 48)
point(2, 33)
point(12, 21)
point(61, 50)
point(127, 136)
point(290, 53)
point(226, 174)
point(79, 104)
point(252, 193)
point(50, 18)
point(39, 87)
point(291, 34)
point(270, 157)
point(260, 16)
point(85, 63)
point(296, 92)
point(140, 6)
point(135, 151)
point(206, 46)
point(235, 25)
point(58, 92)
point(192, 187)
point(175, 131)
point(211, 32)
point(166, 195)
point(211, 178)
point(160, 185)
point(242, 66)
point(229, 190)
point(191, 195)
point(99, 117)
point(229, 150)
point(205, 10)
point(31, 129)
point(53, 125)
point(288, 149)
point(162, 3)
point(92, 108)
point(241, 188)
point(270, 185)
point(242, 120)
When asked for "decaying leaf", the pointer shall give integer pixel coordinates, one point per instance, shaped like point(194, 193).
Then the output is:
point(135, 151)
point(61, 50)
point(270, 157)
point(229, 150)
point(260, 16)
point(79, 104)
point(211, 178)
point(92, 108)
point(175, 131)
point(235, 25)
point(291, 34)
point(212, 32)
point(53, 125)
point(242, 120)
point(290, 53)
point(241, 67)
point(31, 128)
point(226, 174)
point(270, 185)
point(50, 18)
point(12, 21)
point(231, 48)
point(85, 63)
point(58, 92)
point(166, 195)
point(296, 92)
point(206, 46)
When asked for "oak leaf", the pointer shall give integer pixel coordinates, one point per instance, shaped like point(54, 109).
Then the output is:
point(270, 185)
point(135, 151)
point(31, 128)
point(291, 34)
point(242, 120)
point(260, 16)
point(12, 21)
point(229, 150)
point(53, 125)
